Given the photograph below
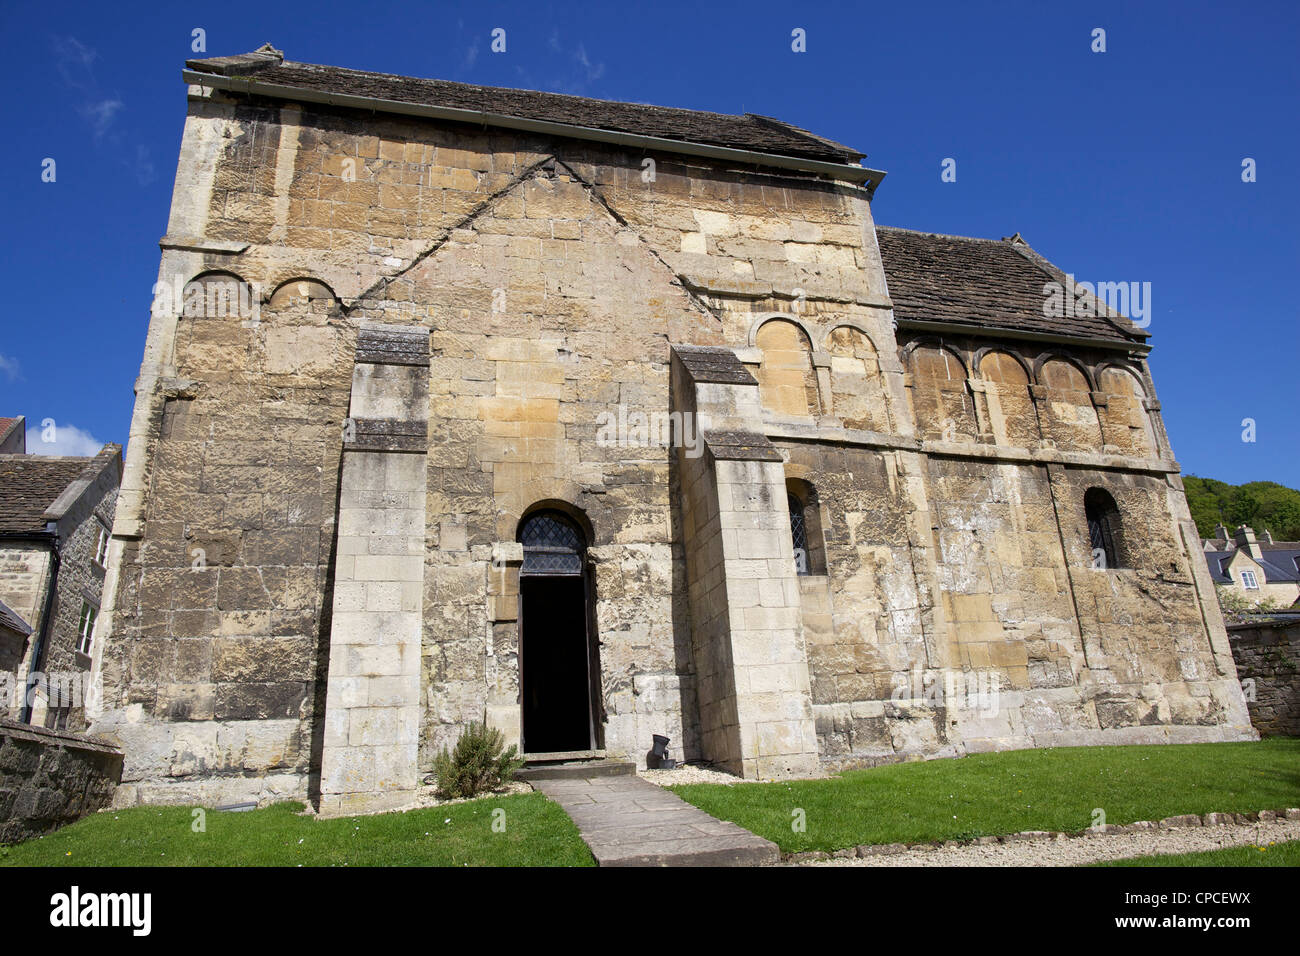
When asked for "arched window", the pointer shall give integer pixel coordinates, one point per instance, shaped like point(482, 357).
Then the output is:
point(805, 527)
point(553, 544)
point(1104, 533)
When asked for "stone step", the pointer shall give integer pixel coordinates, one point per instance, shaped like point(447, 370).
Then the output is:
point(576, 770)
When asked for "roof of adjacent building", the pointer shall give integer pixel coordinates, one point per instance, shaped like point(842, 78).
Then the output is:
point(750, 131)
point(1278, 564)
point(983, 283)
point(13, 621)
point(9, 428)
point(30, 485)
point(1281, 564)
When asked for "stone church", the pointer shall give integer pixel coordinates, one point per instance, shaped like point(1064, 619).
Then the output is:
point(601, 421)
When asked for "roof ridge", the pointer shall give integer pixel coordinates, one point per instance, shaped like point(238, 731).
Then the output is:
point(745, 131)
point(519, 89)
point(943, 235)
point(33, 457)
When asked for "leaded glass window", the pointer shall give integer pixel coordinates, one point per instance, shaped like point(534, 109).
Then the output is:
point(553, 544)
point(1103, 528)
point(799, 535)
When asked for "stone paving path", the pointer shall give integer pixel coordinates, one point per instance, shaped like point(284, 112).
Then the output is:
point(627, 821)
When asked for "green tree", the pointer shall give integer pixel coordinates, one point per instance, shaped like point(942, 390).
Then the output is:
point(1263, 505)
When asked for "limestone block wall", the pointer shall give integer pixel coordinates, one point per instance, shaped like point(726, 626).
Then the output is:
point(1267, 655)
point(973, 562)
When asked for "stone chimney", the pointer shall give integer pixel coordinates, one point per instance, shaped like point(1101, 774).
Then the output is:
point(1245, 538)
point(1266, 538)
point(1221, 534)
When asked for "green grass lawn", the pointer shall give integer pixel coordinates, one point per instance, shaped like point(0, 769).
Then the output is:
point(992, 794)
point(537, 833)
point(1270, 854)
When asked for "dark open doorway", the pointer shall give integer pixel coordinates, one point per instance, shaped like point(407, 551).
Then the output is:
point(557, 664)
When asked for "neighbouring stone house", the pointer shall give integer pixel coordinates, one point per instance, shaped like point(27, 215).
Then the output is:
point(1257, 569)
point(599, 421)
point(56, 513)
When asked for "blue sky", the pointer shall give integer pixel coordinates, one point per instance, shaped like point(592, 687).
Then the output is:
point(1119, 166)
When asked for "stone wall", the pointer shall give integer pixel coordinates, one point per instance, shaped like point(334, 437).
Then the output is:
point(1268, 656)
point(50, 778)
point(24, 579)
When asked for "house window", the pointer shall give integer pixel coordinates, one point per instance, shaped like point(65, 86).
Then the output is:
point(1104, 535)
point(86, 627)
point(57, 711)
point(101, 546)
point(1248, 581)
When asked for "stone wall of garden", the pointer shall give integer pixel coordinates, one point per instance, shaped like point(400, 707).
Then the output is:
point(50, 778)
point(1267, 652)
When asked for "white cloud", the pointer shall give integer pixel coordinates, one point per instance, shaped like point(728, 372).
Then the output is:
point(143, 165)
point(101, 114)
point(66, 440)
point(581, 70)
point(73, 60)
point(9, 368)
point(75, 63)
point(593, 71)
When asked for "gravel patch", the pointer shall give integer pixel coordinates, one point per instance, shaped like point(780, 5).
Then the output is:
point(687, 773)
point(1064, 850)
point(691, 773)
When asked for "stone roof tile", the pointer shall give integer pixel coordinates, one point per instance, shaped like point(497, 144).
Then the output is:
point(750, 131)
point(29, 484)
point(982, 283)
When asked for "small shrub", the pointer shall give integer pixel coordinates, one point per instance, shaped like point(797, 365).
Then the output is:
point(476, 764)
point(1238, 608)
